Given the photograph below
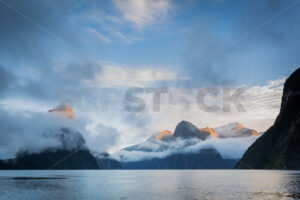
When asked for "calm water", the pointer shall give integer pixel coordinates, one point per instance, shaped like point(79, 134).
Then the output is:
point(144, 185)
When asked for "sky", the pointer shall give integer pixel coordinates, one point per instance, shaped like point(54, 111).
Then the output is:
point(107, 59)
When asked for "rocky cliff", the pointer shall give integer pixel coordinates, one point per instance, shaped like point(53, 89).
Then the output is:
point(279, 147)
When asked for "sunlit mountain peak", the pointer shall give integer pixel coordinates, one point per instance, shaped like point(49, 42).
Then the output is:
point(211, 131)
point(64, 109)
point(163, 134)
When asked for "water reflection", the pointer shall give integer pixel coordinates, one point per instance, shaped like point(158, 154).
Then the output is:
point(185, 184)
point(276, 195)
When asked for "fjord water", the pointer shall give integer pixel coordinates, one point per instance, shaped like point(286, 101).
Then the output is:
point(149, 184)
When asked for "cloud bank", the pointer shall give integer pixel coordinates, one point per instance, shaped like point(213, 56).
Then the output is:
point(229, 148)
point(34, 132)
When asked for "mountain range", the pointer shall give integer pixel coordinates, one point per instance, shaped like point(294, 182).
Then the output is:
point(165, 150)
point(182, 149)
point(188, 147)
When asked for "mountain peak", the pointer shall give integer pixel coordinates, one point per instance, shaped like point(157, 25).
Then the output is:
point(238, 125)
point(231, 126)
point(64, 109)
point(164, 134)
point(186, 129)
point(235, 129)
point(211, 131)
point(291, 87)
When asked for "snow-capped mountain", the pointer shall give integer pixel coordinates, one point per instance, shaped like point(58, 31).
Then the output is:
point(185, 130)
point(187, 141)
point(234, 130)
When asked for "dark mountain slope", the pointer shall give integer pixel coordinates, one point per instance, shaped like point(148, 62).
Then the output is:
point(205, 159)
point(279, 147)
point(58, 159)
point(72, 153)
point(187, 130)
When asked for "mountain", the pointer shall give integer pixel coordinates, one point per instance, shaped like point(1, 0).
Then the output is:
point(164, 135)
point(185, 134)
point(279, 147)
point(106, 162)
point(182, 149)
point(211, 132)
point(152, 145)
point(52, 159)
point(187, 130)
point(204, 159)
point(72, 153)
point(68, 152)
point(234, 130)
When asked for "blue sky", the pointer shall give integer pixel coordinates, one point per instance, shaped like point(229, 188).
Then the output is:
point(171, 33)
point(53, 52)
point(174, 33)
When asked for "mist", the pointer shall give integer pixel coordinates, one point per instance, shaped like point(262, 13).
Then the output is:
point(229, 148)
point(35, 132)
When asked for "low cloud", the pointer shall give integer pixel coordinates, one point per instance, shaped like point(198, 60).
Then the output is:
point(229, 148)
point(101, 138)
point(34, 132)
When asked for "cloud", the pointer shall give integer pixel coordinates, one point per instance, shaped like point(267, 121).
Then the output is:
point(24, 35)
point(142, 13)
point(229, 148)
point(99, 35)
point(261, 105)
point(128, 39)
point(101, 138)
point(153, 148)
point(264, 97)
point(202, 61)
point(39, 68)
point(37, 131)
point(122, 76)
point(32, 132)
point(245, 47)
point(123, 128)
point(6, 79)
